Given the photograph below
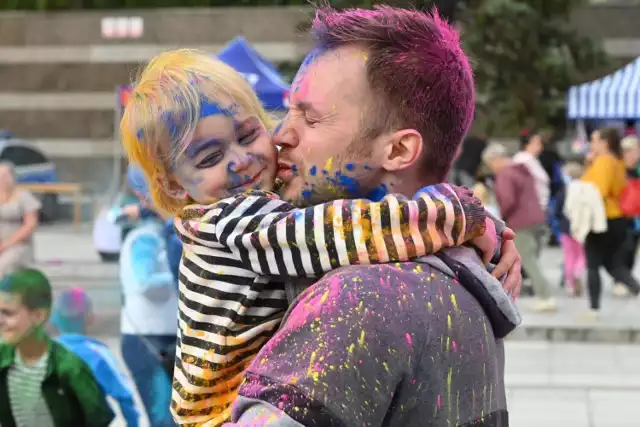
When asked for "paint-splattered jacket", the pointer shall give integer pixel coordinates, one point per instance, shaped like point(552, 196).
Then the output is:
point(230, 301)
point(399, 345)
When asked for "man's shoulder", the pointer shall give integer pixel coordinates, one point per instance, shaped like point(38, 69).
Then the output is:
point(375, 283)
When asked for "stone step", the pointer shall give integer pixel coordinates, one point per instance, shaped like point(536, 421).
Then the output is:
point(161, 26)
point(96, 124)
point(66, 77)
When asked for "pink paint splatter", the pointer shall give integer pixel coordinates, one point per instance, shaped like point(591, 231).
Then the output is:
point(407, 336)
point(438, 402)
point(455, 346)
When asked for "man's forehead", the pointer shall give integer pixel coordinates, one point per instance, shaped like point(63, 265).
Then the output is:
point(335, 73)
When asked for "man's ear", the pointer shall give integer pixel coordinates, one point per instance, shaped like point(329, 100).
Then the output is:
point(402, 150)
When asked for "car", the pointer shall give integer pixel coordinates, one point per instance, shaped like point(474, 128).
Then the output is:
point(31, 166)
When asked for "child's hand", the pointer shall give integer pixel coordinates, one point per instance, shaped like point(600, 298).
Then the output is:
point(488, 242)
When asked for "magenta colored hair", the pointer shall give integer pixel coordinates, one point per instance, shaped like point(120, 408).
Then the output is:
point(417, 71)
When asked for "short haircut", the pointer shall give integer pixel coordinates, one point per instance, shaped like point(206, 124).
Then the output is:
point(574, 170)
point(164, 109)
point(494, 151)
point(31, 285)
point(630, 142)
point(417, 73)
point(71, 311)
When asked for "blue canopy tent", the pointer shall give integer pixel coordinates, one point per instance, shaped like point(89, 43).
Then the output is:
point(613, 97)
point(262, 75)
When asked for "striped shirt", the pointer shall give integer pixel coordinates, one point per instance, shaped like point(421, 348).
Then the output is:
point(28, 406)
point(237, 253)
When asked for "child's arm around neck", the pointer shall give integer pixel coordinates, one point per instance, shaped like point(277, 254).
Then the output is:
point(272, 237)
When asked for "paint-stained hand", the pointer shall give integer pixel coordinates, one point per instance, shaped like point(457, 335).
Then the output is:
point(487, 242)
point(510, 264)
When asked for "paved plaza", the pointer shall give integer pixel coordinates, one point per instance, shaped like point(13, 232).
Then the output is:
point(592, 381)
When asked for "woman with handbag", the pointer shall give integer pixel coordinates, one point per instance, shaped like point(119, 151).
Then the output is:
point(608, 173)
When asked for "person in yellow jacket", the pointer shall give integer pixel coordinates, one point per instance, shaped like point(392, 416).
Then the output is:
point(607, 172)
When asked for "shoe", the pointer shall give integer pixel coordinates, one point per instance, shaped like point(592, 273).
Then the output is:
point(545, 305)
point(620, 290)
point(578, 288)
point(590, 316)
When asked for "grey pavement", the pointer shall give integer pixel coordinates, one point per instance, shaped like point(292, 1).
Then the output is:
point(562, 384)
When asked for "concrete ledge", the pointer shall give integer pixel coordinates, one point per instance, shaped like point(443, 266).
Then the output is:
point(135, 53)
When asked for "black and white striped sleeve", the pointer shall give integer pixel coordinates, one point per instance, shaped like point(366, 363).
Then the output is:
point(271, 237)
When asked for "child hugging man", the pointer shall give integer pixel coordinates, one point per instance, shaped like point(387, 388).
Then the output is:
point(42, 384)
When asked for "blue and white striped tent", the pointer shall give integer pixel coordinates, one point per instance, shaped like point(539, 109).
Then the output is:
point(615, 96)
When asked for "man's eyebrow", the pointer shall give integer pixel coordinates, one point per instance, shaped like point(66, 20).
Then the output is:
point(306, 106)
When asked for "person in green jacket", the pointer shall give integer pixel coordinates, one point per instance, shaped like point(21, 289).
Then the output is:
point(42, 384)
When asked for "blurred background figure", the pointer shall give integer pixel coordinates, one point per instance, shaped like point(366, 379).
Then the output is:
point(72, 314)
point(466, 167)
point(150, 307)
point(18, 220)
point(572, 249)
point(630, 202)
point(608, 173)
point(42, 383)
point(531, 147)
point(516, 194)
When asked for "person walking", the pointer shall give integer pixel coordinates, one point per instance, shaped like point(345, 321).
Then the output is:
point(520, 208)
point(608, 173)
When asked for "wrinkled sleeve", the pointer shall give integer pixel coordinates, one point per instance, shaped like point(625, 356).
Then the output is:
point(310, 242)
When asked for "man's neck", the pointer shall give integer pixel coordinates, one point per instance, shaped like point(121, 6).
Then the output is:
point(32, 349)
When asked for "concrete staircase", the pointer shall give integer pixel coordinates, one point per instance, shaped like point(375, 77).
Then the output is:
point(58, 74)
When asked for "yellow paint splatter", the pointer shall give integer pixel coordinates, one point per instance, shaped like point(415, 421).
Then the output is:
point(454, 302)
point(329, 164)
point(313, 359)
point(361, 339)
point(351, 347)
point(449, 321)
point(324, 296)
point(386, 367)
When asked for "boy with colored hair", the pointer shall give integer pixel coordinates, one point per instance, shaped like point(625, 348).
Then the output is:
point(72, 313)
point(41, 382)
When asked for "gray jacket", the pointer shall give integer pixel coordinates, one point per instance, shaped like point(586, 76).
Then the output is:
point(406, 344)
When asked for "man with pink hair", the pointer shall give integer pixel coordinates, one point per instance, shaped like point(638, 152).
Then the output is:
point(385, 100)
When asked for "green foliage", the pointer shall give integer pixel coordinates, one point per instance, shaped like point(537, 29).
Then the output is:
point(525, 57)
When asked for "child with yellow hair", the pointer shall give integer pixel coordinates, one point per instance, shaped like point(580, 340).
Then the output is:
point(197, 130)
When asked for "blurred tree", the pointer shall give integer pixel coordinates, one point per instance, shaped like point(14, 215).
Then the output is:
point(526, 55)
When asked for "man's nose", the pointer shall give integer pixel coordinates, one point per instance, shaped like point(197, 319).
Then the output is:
point(284, 136)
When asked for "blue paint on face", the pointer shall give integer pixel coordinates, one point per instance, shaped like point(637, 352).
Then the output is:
point(313, 171)
point(306, 194)
point(349, 184)
point(350, 166)
point(368, 168)
point(276, 131)
point(378, 193)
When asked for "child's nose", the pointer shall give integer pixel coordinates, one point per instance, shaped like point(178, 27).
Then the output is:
point(241, 162)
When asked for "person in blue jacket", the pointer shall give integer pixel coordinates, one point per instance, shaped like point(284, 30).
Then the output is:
point(150, 308)
point(72, 313)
